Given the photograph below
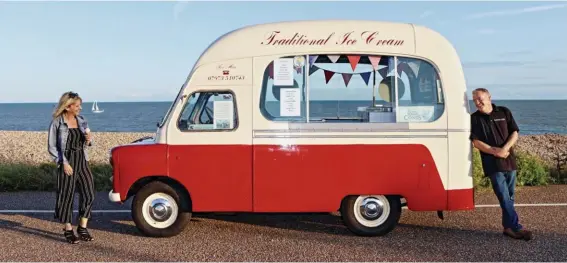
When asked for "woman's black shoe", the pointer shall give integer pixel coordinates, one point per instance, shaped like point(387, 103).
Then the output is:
point(70, 236)
point(84, 234)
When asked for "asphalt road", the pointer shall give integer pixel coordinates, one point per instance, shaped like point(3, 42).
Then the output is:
point(462, 236)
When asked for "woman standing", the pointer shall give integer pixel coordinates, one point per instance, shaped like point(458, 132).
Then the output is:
point(68, 137)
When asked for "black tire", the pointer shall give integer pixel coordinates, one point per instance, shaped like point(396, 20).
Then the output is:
point(360, 228)
point(147, 228)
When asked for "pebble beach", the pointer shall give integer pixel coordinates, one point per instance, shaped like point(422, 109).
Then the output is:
point(31, 147)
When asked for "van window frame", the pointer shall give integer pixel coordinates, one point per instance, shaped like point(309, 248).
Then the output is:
point(172, 106)
point(220, 91)
point(303, 90)
point(441, 91)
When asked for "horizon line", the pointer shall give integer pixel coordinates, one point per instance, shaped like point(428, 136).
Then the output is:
point(170, 101)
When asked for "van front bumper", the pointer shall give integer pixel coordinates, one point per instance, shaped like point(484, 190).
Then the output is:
point(114, 197)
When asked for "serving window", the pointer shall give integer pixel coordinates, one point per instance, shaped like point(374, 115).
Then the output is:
point(351, 88)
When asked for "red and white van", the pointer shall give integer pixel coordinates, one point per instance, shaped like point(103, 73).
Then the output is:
point(361, 117)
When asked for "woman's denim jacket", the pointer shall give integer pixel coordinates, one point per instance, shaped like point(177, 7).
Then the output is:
point(57, 138)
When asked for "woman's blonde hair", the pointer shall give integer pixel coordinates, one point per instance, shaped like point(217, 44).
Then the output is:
point(66, 99)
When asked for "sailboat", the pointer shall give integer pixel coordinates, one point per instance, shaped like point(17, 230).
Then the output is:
point(95, 108)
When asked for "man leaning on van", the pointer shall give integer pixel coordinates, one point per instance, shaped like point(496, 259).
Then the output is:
point(494, 132)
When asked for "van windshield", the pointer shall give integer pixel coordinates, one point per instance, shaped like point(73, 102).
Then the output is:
point(177, 98)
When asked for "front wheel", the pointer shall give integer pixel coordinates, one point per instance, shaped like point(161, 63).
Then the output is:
point(371, 215)
point(157, 210)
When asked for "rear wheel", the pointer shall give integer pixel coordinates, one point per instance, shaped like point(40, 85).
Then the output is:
point(157, 210)
point(371, 215)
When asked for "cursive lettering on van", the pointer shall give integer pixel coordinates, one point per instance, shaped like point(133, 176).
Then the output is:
point(297, 39)
point(223, 66)
point(226, 78)
point(275, 38)
point(370, 39)
point(346, 39)
point(368, 36)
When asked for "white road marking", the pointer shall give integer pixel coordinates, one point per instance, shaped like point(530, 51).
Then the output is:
point(128, 211)
point(51, 211)
point(516, 205)
point(532, 205)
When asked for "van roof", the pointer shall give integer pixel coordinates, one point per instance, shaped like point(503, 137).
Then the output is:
point(320, 37)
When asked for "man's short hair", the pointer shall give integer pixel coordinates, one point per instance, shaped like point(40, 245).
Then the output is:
point(481, 90)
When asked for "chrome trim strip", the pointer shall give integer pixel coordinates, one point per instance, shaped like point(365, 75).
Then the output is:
point(359, 130)
point(458, 130)
point(371, 136)
point(348, 126)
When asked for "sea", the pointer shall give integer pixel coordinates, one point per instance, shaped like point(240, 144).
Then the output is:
point(532, 116)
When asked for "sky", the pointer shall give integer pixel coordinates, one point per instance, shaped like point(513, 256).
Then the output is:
point(143, 51)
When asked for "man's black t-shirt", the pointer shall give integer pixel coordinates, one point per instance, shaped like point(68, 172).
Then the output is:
point(494, 129)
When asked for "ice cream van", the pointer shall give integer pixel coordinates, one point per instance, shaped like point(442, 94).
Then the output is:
point(356, 117)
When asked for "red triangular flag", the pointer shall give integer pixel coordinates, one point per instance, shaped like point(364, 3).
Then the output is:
point(346, 78)
point(374, 60)
point(353, 61)
point(328, 75)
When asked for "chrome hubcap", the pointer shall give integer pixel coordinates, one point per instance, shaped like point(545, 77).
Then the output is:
point(160, 209)
point(371, 208)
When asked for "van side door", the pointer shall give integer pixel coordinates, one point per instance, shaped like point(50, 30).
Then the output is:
point(210, 149)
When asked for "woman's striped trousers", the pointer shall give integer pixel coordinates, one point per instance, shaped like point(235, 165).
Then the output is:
point(80, 181)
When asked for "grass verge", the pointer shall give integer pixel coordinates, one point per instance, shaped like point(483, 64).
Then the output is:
point(30, 177)
point(532, 171)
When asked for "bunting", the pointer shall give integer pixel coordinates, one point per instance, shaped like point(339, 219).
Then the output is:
point(313, 69)
point(365, 76)
point(402, 66)
point(353, 61)
point(312, 60)
point(374, 60)
point(334, 58)
point(328, 75)
point(346, 78)
point(383, 72)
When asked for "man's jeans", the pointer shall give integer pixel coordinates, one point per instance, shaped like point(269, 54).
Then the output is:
point(503, 184)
